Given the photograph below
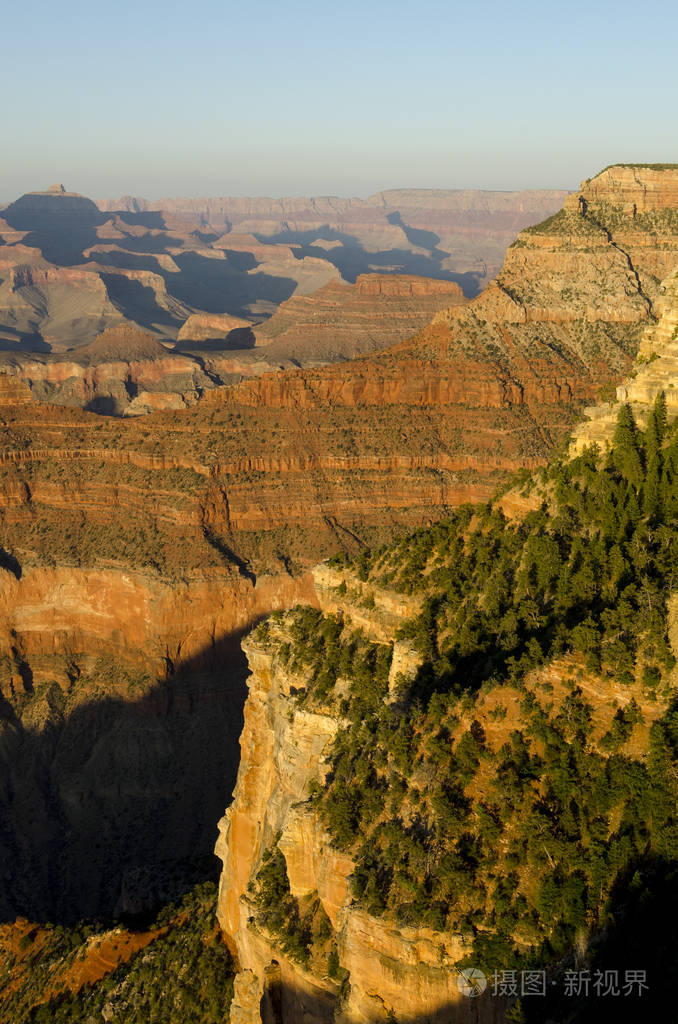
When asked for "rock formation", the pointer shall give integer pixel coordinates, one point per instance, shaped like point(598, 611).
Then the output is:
point(654, 371)
point(403, 970)
point(342, 320)
point(121, 697)
point(68, 271)
point(124, 371)
point(299, 462)
point(158, 540)
point(411, 231)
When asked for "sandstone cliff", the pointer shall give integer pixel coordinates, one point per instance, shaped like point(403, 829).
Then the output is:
point(288, 753)
point(653, 372)
point(121, 697)
point(406, 972)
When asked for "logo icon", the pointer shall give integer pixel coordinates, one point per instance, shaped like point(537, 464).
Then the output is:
point(471, 981)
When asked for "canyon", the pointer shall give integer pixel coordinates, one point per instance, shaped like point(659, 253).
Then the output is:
point(70, 268)
point(288, 755)
point(72, 271)
point(137, 550)
point(462, 232)
point(287, 465)
point(127, 371)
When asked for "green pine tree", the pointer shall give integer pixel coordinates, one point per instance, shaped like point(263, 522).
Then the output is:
point(515, 1014)
point(627, 454)
point(652, 491)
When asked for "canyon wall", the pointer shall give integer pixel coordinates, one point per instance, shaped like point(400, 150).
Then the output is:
point(293, 464)
point(341, 321)
point(571, 281)
point(177, 518)
point(463, 232)
point(389, 970)
point(121, 700)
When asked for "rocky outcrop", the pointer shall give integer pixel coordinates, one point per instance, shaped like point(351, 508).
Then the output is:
point(654, 371)
point(401, 971)
point(44, 307)
point(13, 390)
point(233, 331)
point(633, 188)
point(341, 321)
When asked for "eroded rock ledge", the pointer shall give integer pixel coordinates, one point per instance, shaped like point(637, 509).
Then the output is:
point(389, 970)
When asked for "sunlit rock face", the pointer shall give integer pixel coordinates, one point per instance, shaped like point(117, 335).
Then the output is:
point(392, 969)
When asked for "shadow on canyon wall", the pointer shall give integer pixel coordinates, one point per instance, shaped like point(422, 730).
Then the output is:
point(61, 227)
point(112, 809)
point(66, 227)
point(283, 1003)
point(351, 258)
point(22, 341)
point(225, 286)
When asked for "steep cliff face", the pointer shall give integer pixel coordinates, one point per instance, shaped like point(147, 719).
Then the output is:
point(653, 372)
point(393, 970)
point(479, 791)
point(289, 747)
point(120, 710)
point(387, 968)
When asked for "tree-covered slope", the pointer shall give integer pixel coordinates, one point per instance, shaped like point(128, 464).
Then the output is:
point(173, 970)
point(520, 789)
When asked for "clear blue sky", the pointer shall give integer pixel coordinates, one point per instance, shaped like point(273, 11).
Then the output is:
point(296, 98)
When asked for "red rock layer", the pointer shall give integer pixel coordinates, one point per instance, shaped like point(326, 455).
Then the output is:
point(303, 461)
point(342, 321)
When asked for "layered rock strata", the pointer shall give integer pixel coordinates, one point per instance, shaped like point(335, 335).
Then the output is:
point(69, 271)
point(292, 465)
point(123, 372)
point(655, 370)
point(341, 321)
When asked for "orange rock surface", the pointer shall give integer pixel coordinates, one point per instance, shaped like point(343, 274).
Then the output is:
point(406, 971)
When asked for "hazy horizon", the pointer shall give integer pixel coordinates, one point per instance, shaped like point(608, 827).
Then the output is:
point(314, 99)
point(6, 200)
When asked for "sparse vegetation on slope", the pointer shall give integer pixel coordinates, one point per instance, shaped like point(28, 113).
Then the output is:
point(182, 972)
point(301, 926)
